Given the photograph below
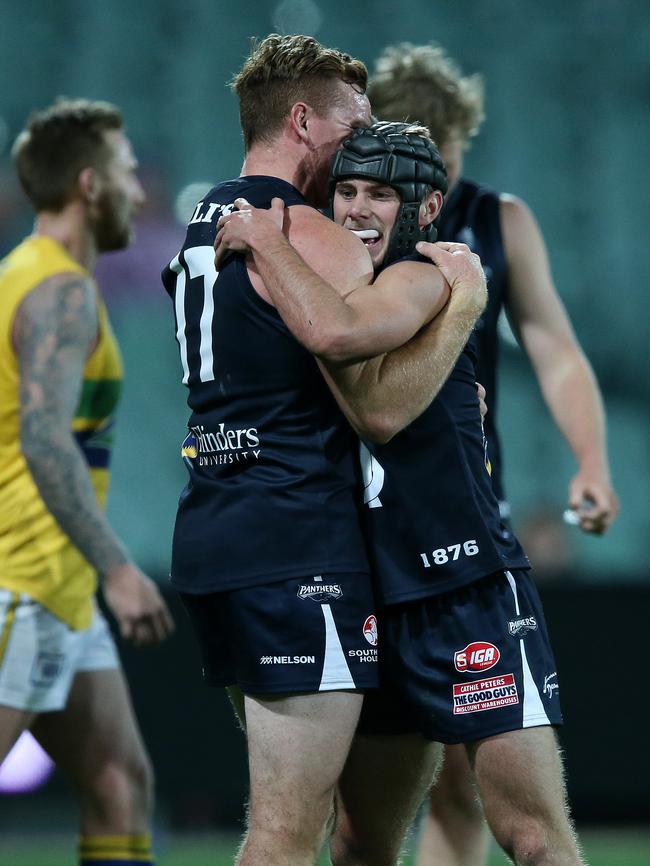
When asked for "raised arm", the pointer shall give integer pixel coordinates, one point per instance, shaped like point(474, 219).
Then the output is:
point(336, 316)
point(565, 375)
point(54, 331)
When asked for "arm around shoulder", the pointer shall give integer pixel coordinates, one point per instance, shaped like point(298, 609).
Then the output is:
point(307, 271)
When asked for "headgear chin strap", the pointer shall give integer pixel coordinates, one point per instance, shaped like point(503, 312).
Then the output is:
point(410, 163)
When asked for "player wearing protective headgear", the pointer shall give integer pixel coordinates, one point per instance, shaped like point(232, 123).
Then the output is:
point(403, 157)
point(464, 649)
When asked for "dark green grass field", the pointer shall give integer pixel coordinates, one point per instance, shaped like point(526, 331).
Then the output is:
point(602, 848)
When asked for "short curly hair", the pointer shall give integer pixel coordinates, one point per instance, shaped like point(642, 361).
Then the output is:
point(420, 82)
point(57, 143)
point(282, 70)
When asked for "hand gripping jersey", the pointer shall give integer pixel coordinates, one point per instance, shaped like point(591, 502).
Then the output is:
point(36, 557)
point(431, 513)
point(273, 491)
point(470, 215)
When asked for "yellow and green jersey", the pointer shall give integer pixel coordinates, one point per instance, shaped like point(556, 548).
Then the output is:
point(36, 556)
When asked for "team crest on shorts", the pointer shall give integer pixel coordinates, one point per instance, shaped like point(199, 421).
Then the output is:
point(46, 669)
point(370, 630)
point(476, 657)
point(320, 592)
point(519, 627)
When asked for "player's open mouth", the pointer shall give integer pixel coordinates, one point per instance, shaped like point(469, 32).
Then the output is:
point(370, 237)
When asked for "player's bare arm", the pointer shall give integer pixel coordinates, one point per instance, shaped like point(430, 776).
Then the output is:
point(54, 332)
point(384, 395)
point(337, 322)
point(565, 375)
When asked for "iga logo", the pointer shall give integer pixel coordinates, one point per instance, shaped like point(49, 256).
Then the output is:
point(370, 630)
point(477, 656)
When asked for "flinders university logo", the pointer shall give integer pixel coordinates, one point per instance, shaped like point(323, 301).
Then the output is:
point(188, 449)
point(220, 446)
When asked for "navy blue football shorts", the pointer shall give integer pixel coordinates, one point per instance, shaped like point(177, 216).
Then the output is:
point(466, 664)
point(309, 634)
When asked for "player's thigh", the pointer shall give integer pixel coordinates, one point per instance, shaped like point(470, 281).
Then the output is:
point(97, 729)
point(297, 747)
point(382, 785)
point(455, 789)
point(12, 724)
point(519, 773)
point(36, 665)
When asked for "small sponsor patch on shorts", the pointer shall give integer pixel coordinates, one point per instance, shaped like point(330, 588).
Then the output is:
point(488, 694)
point(476, 657)
point(46, 669)
point(288, 660)
point(551, 686)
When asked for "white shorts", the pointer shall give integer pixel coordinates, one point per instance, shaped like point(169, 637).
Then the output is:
point(40, 654)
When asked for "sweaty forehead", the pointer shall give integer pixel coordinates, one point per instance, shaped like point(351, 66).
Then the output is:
point(354, 105)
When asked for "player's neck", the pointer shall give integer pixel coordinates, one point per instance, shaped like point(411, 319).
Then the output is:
point(69, 228)
point(281, 160)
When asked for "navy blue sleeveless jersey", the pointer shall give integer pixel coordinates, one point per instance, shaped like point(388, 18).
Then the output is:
point(471, 216)
point(274, 486)
point(431, 512)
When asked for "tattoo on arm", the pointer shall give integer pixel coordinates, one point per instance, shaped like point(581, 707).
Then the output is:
point(54, 331)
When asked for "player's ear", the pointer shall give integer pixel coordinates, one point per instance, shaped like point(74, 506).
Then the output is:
point(430, 207)
point(89, 184)
point(299, 121)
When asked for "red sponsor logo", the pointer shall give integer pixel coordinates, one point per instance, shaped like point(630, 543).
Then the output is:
point(370, 630)
point(477, 656)
point(481, 695)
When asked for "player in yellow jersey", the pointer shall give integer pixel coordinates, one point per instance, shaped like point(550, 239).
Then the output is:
point(60, 375)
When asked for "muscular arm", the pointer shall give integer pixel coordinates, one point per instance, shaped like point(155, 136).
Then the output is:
point(338, 317)
point(54, 331)
point(383, 395)
point(339, 321)
point(565, 376)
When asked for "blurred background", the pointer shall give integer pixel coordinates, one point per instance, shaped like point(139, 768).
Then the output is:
point(567, 87)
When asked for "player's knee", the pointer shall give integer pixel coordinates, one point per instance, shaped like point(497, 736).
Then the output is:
point(527, 842)
point(283, 841)
point(298, 828)
point(123, 788)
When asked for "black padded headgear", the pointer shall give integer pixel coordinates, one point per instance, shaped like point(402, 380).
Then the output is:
point(410, 163)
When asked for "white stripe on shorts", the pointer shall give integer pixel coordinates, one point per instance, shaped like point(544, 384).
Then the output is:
point(533, 709)
point(336, 673)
